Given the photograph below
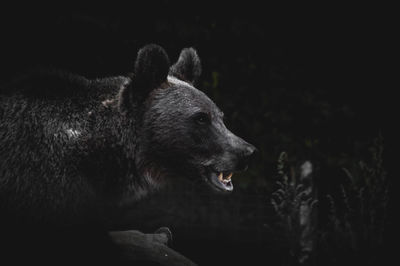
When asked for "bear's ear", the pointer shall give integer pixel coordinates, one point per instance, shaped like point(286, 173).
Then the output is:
point(151, 66)
point(150, 71)
point(188, 66)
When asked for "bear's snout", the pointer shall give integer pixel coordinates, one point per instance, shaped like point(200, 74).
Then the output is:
point(238, 153)
point(245, 154)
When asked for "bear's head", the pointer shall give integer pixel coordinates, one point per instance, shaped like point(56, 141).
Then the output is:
point(180, 131)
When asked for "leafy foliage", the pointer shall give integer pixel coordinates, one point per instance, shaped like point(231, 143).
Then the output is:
point(295, 204)
point(358, 216)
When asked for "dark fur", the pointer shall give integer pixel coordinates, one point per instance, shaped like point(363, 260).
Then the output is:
point(73, 149)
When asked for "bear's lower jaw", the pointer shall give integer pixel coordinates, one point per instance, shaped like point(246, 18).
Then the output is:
point(220, 182)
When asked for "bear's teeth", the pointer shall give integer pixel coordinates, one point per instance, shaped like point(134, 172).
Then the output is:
point(220, 176)
point(229, 176)
point(225, 179)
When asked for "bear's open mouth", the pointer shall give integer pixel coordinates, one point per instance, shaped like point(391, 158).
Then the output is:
point(221, 181)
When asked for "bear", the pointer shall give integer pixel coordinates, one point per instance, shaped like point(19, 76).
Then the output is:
point(74, 150)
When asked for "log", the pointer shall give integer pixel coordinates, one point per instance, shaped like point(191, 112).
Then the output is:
point(138, 246)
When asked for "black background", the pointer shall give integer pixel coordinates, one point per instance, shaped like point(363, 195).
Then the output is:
point(309, 80)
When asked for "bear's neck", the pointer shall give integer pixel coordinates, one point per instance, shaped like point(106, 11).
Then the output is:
point(113, 162)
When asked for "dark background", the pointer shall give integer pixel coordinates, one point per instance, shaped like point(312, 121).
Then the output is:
point(311, 81)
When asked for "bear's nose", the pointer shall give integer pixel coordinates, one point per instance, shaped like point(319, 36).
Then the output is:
point(249, 150)
point(246, 155)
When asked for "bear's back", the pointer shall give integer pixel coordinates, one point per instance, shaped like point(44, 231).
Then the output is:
point(46, 118)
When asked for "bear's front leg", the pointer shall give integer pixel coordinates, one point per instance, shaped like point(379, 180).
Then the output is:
point(137, 246)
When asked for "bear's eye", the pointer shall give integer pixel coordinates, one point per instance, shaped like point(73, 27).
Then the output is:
point(202, 118)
